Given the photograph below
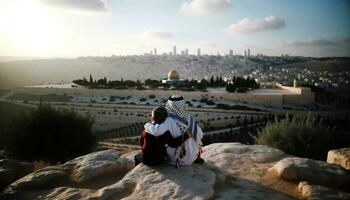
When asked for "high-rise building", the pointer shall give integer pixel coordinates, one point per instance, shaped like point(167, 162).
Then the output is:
point(174, 50)
point(245, 53)
point(231, 52)
point(182, 52)
point(199, 52)
point(155, 51)
point(248, 53)
point(186, 52)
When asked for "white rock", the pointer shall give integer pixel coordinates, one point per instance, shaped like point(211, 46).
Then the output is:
point(67, 193)
point(340, 157)
point(94, 165)
point(40, 179)
point(12, 170)
point(163, 182)
point(316, 192)
point(316, 172)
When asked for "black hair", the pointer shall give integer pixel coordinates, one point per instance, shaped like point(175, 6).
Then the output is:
point(159, 114)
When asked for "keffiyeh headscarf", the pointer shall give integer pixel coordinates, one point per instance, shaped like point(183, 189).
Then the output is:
point(177, 109)
point(176, 104)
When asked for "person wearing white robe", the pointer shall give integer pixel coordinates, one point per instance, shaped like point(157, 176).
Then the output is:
point(176, 106)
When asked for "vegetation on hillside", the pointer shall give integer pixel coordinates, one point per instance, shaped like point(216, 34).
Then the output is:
point(302, 136)
point(239, 83)
point(47, 134)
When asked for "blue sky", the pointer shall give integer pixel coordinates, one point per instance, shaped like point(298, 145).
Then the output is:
point(69, 28)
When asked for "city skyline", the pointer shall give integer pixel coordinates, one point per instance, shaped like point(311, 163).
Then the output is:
point(71, 28)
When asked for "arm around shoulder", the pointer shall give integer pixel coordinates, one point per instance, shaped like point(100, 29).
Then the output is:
point(157, 129)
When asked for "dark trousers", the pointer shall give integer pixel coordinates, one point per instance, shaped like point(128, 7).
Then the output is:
point(137, 159)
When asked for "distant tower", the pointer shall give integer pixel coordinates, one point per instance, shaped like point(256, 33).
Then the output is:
point(174, 50)
point(182, 52)
point(186, 52)
point(199, 52)
point(248, 53)
point(231, 52)
point(245, 53)
point(155, 51)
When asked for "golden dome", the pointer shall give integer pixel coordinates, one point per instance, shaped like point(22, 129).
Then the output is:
point(173, 75)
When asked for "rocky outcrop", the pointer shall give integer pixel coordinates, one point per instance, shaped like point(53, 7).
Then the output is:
point(231, 171)
point(96, 164)
point(316, 192)
point(340, 157)
point(316, 172)
point(11, 170)
point(43, 178)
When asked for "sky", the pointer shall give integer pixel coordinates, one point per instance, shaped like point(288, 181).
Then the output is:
point(71, 28)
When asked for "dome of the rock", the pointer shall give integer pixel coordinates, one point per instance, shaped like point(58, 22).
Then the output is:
point(173, 75)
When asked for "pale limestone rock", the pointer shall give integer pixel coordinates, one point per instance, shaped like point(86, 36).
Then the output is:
point(340, 157)
point(163, 182)
point(41, 179)
point(316, 192)
point(93, 165)
point(67, 193)
point(231, 171)
point(258, 153)
point(316, 172)
point(12, 170)
point(240, 170)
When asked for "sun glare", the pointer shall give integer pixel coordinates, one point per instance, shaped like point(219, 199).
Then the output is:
point(29, 25)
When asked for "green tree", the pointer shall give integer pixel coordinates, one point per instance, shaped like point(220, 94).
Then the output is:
point(91, 81)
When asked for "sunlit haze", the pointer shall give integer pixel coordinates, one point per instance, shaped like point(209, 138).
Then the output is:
point(70, 28)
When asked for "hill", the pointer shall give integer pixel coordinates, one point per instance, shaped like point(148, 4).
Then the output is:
point(319, 65)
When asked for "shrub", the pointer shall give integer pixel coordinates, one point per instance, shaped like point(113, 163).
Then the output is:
point(302, 136)
point(49, 135)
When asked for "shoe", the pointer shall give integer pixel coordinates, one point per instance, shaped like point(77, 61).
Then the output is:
point(199, 160)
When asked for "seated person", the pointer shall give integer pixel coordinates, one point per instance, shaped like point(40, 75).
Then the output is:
point(178, 122)
point(153, 148)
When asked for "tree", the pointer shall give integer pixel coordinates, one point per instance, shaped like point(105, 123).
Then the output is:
point(211, 82)
point(102, 82)
point(129, 83)
point(91, 81)
point(81, 82)
point(203, 84)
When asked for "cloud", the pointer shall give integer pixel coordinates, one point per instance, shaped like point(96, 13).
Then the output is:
point(248, 25)
point(311, 42)
point(204, 7)
point(88, 5)
point(320, 42)
point(157, 33)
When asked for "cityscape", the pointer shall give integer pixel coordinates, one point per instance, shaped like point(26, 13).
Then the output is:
point(183, 100)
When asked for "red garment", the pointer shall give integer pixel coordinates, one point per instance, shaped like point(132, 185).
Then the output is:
point(153, 148)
